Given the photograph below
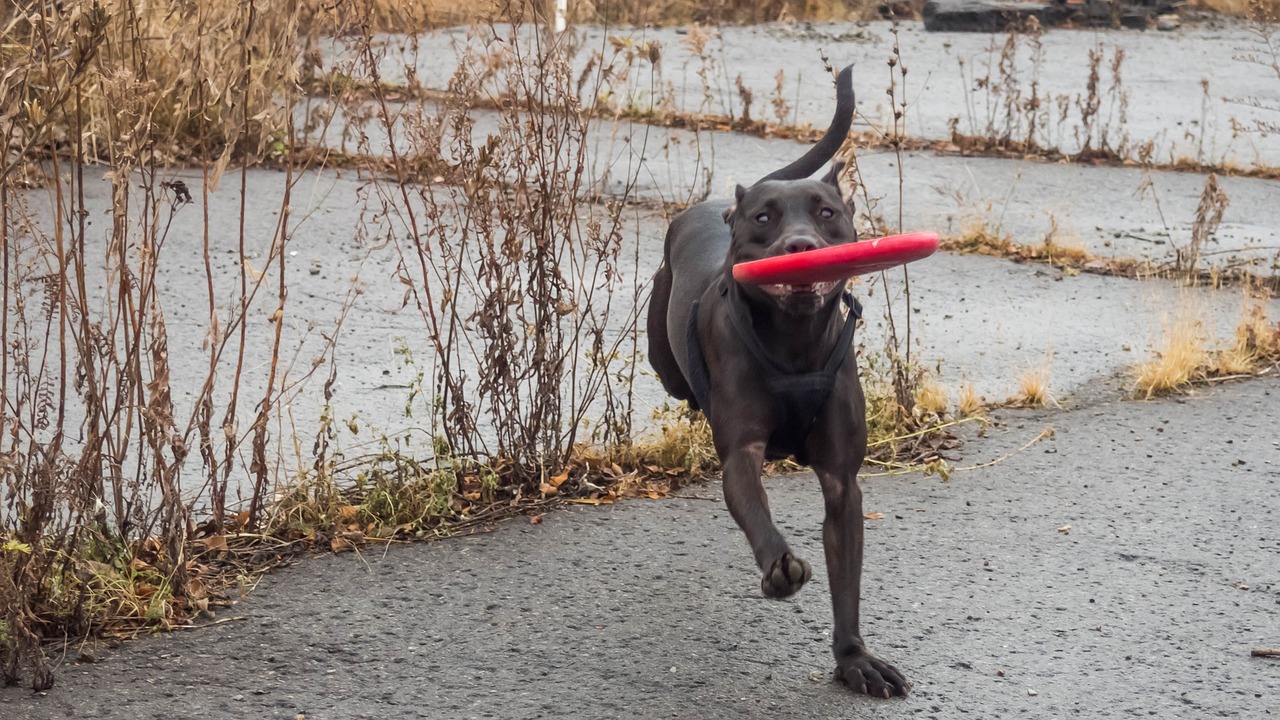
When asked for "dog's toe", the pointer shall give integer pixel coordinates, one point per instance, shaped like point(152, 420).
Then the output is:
point(869, 675)
point(785, 576)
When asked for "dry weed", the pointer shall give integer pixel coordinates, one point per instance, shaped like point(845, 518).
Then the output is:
point(1179, 359)
point(1251, 9)
point(932, 399)
point(1185, 359)
point(1062, 248)
point(1033, 386)
point(1213, 203)
point(1255, 344)
point(977, 236)
point(970, 404)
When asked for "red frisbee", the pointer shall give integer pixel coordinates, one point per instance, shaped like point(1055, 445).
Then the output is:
point(838, 262)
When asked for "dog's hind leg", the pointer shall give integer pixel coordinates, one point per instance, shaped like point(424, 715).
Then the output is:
point(840, 444)
point(661, 356)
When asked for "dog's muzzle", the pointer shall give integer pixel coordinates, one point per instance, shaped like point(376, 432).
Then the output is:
point(784, 291)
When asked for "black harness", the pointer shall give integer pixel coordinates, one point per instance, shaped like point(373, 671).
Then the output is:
point(800, 396)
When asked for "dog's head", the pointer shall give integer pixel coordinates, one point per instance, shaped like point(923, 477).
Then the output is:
point(778, 217)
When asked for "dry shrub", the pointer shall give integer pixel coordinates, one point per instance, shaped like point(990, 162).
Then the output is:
point(1033, 386)
point(95, 446)
point(682, 443)
point(515, 258)
point(932, 399)
point(107, 469)
point(1063, 248)
point(1184, 357)
point(977, 236)
point(1179, 359)
point(1007, 112)
point(200, 80)
point(970, 403)
point(672, 12)
point(1256, 344)
point(415, 15)
point(1209, 212)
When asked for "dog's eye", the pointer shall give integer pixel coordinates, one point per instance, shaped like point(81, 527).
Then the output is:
point(762, 218)
point(826, 213)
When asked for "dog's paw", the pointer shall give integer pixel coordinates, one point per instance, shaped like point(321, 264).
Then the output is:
point(785, 576)
point(865, 673)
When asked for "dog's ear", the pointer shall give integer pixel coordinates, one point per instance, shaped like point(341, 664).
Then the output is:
point(738, 193)
point(832, 178)
point(833, 175)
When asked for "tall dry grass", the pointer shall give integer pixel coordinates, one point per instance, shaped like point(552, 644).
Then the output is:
point(416, 15)
point(95, 456)
point(1007, 110)
point(1185, 355)
point(118, 485)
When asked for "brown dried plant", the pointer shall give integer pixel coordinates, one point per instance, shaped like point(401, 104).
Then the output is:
point(102, 469)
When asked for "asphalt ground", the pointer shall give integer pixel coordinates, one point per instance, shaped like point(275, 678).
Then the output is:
point(1147, 605)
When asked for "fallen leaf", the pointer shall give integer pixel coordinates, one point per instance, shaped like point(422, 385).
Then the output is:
point(558, 480)
point(548, 489)
point(535, 519)
point(347, 513)
point(215, 542)
point(874, 516)
point(339, 545)
point(592, 501)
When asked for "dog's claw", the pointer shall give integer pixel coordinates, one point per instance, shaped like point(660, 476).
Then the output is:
point(869, 675)
point(785, 576)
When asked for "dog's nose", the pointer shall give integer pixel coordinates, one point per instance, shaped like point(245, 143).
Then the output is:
point(799, 245)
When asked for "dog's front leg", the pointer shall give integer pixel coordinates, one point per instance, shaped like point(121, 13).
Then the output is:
point(842, 541)
point(783, 572)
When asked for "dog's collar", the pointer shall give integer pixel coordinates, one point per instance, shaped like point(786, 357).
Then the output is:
point(741, 318)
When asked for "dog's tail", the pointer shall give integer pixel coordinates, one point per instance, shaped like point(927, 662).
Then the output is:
point(826, 148)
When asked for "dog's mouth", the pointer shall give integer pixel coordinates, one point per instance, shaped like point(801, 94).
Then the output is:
point(785, 291)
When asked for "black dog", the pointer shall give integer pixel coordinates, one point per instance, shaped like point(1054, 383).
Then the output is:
point(773, 369)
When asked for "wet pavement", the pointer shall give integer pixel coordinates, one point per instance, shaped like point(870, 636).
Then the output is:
point(1124, 568)
point(975, 319)
point(1146, 606)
